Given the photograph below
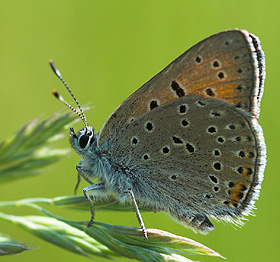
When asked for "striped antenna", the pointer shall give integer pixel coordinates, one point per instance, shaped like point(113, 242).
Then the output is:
point(61, 99)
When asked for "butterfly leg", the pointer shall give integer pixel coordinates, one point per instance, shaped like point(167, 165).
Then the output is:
point(139, 217)
point(83, 172)
point(78, 183)
point(93, 187)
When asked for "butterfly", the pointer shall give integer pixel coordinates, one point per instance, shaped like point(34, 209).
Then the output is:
point(188, 141)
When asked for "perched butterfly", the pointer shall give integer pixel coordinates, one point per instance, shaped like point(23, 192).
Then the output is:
point(188, 141)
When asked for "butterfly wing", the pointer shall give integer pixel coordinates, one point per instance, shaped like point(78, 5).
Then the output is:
point(189, 138)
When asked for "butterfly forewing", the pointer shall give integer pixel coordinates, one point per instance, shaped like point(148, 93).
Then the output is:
point(227, 66)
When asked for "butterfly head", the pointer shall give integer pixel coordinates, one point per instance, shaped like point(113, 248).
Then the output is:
point(83, 139)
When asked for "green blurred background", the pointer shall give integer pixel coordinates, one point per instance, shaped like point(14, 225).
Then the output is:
point(106, 50)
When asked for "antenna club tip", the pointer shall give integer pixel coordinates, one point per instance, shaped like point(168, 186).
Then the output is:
point(55, 70)
point(54, 92)
point(52, 64)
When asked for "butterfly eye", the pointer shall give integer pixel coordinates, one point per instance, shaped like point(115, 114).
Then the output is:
point(83, 141)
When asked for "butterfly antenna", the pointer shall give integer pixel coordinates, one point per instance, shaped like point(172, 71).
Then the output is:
point(61, 99)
